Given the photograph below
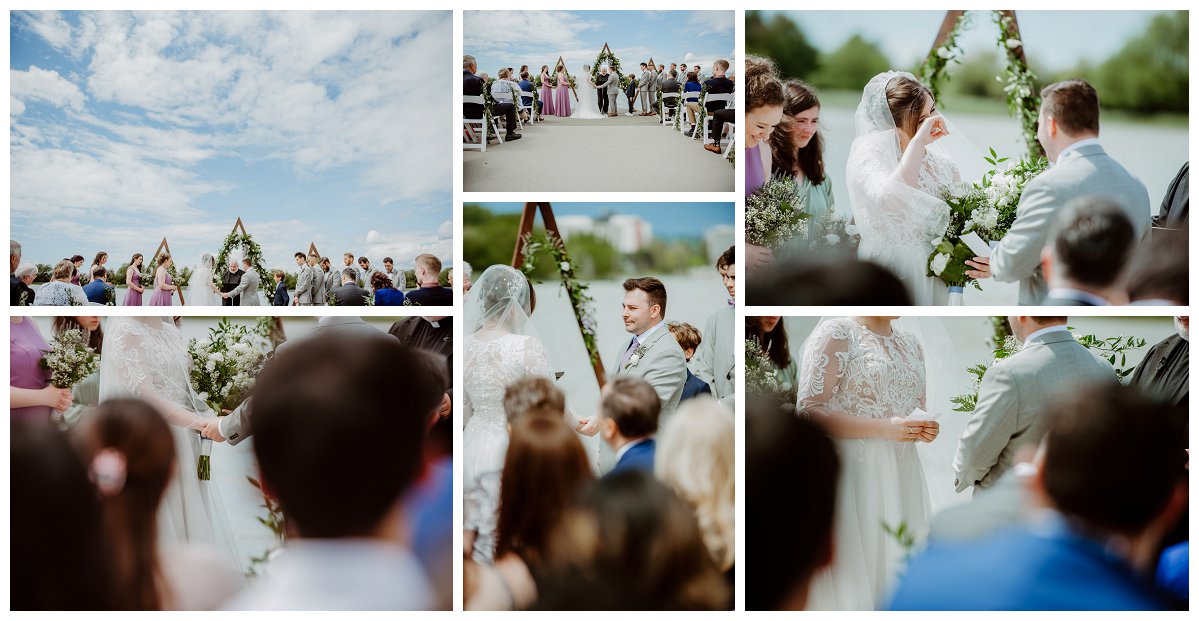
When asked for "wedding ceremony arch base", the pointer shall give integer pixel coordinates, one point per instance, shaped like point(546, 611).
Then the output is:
point(615, 154)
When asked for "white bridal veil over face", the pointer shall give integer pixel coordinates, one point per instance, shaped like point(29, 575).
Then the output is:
point(500, 302)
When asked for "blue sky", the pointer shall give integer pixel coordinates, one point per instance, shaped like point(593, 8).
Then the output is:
point(514, 38)
point(1056, 39)
point(668, 219)
point(127, 127)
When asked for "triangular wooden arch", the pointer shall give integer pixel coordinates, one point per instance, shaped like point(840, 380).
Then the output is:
point(606, 49)
point(163, 245)
point(239, 225)
point(652, 63)
point(518, 260)
point(312, 249)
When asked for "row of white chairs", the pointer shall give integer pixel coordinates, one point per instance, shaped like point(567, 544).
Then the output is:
point(475, 132)
point(667, 113)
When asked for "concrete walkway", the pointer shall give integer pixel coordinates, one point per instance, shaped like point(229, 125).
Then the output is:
point(616, 154)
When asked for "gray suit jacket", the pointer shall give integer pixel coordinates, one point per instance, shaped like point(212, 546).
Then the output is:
point(663, 366)
point(319, 289)
point(236, 424)
point(1085, 171)
point(248, 289)
point(305, 291)
point(1013, 399)
point(713, 362)
point(647, 78)
point(613, 84)
point(332, 281)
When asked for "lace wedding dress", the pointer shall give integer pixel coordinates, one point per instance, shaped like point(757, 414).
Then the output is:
point(199, 287)
point(588, 104)
point(850, 370)
point(899, 224)
point(146, 358)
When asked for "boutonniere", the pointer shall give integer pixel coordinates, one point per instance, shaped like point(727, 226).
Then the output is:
point(638, 354)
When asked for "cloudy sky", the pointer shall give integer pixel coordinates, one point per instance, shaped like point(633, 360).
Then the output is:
point(127, 127)
point(514, 38)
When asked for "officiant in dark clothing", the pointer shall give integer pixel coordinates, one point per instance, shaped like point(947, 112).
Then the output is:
point(1176, 206)
point(229, 281)
point(436, 335)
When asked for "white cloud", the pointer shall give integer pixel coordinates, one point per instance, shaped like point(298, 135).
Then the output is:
point(39, 84)
point(705, 23)
point(49, 25)
point(404, 247)
point(496, 30)
point(446, 229)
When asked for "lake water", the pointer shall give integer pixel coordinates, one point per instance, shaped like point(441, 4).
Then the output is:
point(1153, 153)
point(231, 464)
point(968, 343)
point(122, 290)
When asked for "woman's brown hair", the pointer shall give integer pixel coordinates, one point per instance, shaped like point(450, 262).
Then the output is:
point(95, 338)
point(905, 98)
point(143, 440)
point(544, 470)
point(774, 343)
point(762, 85)
point(798, 97)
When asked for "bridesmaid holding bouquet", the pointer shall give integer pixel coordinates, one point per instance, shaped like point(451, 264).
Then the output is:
point(547, 92)
point(562, 93)
point(133, 280)
point(164, 289)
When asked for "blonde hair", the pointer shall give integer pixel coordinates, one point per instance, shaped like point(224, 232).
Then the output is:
point(696, 456)
point(62, 270)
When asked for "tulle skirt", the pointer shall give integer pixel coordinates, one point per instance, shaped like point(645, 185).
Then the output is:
point(484, 445)
point(191, 511)
point(881, 482)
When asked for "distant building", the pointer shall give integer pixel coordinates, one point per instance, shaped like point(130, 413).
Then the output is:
point(626, 233)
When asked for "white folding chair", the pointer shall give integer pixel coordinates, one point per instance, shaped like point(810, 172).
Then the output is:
point(531, 108)
point(731, 133)
point(667, 98)
point(688, 97)
point(473, 129)
point(727, 98)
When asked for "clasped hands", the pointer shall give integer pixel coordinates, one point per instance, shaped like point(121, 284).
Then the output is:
point(211, 428)
point(904, 430)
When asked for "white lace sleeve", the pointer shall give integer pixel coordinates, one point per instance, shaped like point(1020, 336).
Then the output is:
point(824, 364)
point(537, 359)
point(884, 207)
point(133, 366)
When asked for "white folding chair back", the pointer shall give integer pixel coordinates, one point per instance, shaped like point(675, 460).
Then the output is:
point(531, 108)
point(730, 130)
point(474, 128)
point(727, 98)
point(666, 99)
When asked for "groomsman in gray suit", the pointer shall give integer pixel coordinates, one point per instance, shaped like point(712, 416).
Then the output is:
point(303, 282)
point(246, 292)
point(1069, 131)
point(332, 277)
point(714, 359)
point(653, 354)
point(647, 78)
point(319, 292)
point(1015, 395)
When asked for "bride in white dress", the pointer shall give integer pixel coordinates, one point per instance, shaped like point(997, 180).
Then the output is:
point(588, 104)
point(201, 288)
point(896, 177)
point(861, 377)
point(146, 358)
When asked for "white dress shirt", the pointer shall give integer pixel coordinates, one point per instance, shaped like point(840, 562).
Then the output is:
point(1063, 293)
point(624, 449)
point(1043, 331)
point(1074, 147)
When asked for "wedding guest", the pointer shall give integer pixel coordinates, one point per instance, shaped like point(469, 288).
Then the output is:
point(544, 469)
point(804, 282)
point(671, 85)
point(1087, 254)
point(22, 294)
point(692, 85)
point(797, 149)
point(130, 454)
point(31, 397)
point(689, 339)
point(133, 281)
point(631, 544)
point(787, 541)
point(770, 333)
point(467, 271)
point(628, 411)
point(547, 92)
point(77, 264)
point(504, 92)
point(396, 277)
point(526, 86)
point(715, 362)
point(349, 293)
point(1110, 482)
point(98, 262)
point(14, 261)
point(473, 85)
point(281, 298)
point(697, 458)
point(764, 101)
point(97, 290)
point(60, 291)
point(305, 292)
point(429, 291)
point(331, 276)
point(385, 293)
point(60, 563)
point(1015, 394)
point(348, 551)
point(1159, 272)
point(721, 113)
point(1174, 212)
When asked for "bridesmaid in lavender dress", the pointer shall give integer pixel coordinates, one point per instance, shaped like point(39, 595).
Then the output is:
point(133, 279)
point(547, 92)
point(163, 289)
point(31, 397)
point(562, 94)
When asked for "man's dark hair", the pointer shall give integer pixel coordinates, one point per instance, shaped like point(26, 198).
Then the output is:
point(1074, 104)
point(299, 255)
point(727, 258)
point(847, 282)
point(99, 272)
point(1110, 463)
point(1093, 241)
point(653, 288)
point(789, 541)
point(336, 450)
point(632, 403)
point(1158, 269)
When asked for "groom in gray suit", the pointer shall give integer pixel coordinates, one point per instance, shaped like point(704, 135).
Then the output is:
point(1068, 129)
point(613, 88)
point(1015, 394)
point(653, 354)
point(246, 292)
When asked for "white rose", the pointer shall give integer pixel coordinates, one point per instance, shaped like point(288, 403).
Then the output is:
point(851, 229)
point(216, 357)
point(939, 263)
point(1013, 43)
point(831, 239)
point(565, 266)
point(945, 53)
point(211, 366)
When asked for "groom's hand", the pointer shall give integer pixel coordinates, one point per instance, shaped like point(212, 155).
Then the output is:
point(212, 430)
point(982, 267)
point(929, 431)
point(588, 426)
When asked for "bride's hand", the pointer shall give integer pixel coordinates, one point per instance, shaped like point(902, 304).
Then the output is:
point(900, 430)
point(932, 129)
point(929, 430)
point(588, 426)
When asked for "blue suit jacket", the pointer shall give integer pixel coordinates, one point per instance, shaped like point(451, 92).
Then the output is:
point(639, 457)
point(1023, 569)
point(526, 86)
point(694, 387)
point(281, 297)
point(95, 291)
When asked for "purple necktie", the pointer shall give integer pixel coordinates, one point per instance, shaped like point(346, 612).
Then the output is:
point(629, 352)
